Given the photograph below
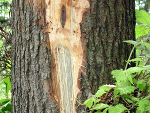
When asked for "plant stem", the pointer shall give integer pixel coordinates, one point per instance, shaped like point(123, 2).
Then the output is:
point(129, 58)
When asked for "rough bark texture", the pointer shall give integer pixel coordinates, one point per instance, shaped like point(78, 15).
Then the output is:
point(30, 62)
point(104, 28)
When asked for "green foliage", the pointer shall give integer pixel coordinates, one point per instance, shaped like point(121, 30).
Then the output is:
point(5, 105)
point(131, 92)
point(143, 23)
point(8, 85)
point(141, 30)
point(117, 109)
point(5, 58)
point(142, 17)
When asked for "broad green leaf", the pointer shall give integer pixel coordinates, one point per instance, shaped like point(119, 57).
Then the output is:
point(142, 17)
point(117, 109)
point(8, 85)
point(89, 102)
point(100, 106)
point(141, 30)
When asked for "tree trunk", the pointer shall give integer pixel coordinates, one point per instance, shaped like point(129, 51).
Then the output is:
point(56, 58)
point(30, 62)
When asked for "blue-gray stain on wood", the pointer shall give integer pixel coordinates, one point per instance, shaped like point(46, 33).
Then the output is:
point(66, 80)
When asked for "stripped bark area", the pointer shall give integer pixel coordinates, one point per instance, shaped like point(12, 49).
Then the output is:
point(63, 18)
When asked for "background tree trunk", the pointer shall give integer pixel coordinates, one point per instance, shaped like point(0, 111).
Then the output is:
point(104, 28)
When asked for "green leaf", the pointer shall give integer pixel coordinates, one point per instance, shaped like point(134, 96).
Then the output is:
point(141, 84)
point(97, 100)
point(126, 89)
point(143, 106)
point(1, 43)
point(147, 45)
point(130, 78)
point(5, 105)
point(132, 70)
point(100, 92)
point(116, 92)
point(135, 99)
point(105, 111)
point(89, 102)
point(98, 112)
point(8, 85)
point(141, 30)
point(131, 42)
point(142, 17)
point(117, 109)
point(129, 101)
point(119, 75)
point(4, 101)
point(103, 89)
point(100, 106)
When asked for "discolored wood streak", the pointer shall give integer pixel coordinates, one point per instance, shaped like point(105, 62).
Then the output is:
point(63, 16)
point(65, 74)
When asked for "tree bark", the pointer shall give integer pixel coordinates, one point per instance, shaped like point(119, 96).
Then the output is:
point(56, 58)
point(30, 62)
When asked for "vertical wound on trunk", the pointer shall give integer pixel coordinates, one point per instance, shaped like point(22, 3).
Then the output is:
point(63, 16)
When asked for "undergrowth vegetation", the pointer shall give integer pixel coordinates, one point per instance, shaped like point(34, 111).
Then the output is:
point(131, 91)
point(5, 57)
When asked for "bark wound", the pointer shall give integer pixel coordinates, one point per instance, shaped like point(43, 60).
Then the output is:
point(63, 18)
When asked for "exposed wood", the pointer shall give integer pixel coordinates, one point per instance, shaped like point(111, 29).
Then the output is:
point(63, 18)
